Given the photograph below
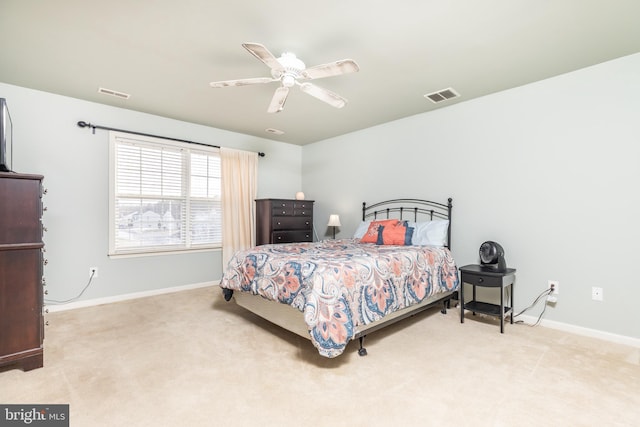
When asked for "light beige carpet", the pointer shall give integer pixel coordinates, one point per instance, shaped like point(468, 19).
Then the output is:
point(191, 359)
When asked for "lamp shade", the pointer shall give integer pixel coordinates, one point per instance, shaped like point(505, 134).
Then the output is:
point(334, 221)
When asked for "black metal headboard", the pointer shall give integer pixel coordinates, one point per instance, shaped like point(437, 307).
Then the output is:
point(410, 209)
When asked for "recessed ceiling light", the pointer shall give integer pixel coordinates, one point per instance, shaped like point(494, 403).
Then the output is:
point(115, 93)
point(442, 95)
point(274, 131)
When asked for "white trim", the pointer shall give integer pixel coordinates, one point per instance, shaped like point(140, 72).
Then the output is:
point(124, 297)
point(158, 253)
point(579, 330)
point(565, 327)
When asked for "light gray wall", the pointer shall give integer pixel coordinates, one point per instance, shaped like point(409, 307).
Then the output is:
point(75, 165)
point(549, 170)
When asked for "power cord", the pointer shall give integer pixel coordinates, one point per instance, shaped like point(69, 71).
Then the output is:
point(544, 293)
point(53, 301)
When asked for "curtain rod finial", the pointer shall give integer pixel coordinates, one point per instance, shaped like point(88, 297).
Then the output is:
point(84, 124)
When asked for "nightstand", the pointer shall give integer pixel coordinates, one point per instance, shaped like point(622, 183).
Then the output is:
point(477, 275)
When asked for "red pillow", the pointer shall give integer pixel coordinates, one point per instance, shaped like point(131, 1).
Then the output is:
point(393, 234)
point(371, 236)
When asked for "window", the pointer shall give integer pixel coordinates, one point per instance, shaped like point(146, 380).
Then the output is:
point(164, 195)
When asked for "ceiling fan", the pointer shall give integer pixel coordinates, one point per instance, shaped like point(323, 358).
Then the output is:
point(290, 71)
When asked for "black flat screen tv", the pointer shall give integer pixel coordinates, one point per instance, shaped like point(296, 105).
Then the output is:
point(6, 137)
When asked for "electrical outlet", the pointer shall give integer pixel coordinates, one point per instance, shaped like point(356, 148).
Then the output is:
point(596, 294)
point(93, 272)
point(552, 296)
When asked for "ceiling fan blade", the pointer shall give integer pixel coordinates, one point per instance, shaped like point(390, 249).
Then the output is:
point(278, 100)
point(263, 54)
point(242, 82)
point(343, 66)
point(322, 94)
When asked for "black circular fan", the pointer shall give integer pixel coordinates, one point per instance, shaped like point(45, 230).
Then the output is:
point(492, 257)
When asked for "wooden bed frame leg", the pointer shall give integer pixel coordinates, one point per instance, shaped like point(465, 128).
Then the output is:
point(362, 351)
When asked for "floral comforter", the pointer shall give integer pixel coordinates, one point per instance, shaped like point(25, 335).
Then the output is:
point(340, 284)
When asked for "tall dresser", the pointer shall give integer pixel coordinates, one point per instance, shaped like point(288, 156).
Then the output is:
point(284, 221)
point(21, 268)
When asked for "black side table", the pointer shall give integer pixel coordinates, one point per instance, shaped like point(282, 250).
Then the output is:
point(476, 275)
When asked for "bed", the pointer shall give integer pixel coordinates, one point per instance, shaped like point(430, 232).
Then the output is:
point(397, 264)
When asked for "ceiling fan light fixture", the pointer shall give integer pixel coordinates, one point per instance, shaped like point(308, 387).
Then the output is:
point(290, 61)
point(288, 80)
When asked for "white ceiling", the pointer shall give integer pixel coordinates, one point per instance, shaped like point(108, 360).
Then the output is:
point(165, 52)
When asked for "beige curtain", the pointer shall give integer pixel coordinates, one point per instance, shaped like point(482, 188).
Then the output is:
point(239, 189)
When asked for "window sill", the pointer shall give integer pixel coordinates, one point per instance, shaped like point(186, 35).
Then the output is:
point(161, 253)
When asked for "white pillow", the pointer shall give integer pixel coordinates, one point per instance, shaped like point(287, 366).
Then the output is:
point(362, 228)
point(432, 233)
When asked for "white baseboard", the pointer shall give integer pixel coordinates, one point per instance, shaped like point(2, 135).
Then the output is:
point(579, 330)
point(117, 298)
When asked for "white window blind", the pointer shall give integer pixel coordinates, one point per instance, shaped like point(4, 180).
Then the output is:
point(165, 195)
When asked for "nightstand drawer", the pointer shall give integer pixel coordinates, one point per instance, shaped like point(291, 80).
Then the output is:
point(486, 281)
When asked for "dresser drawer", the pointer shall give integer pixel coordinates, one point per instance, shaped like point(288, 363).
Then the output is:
point(302, 212)
point(291, 223)
point(292, 236)
point(303, 205)
point(282, 207)
point(282, 210)
point(291, 208)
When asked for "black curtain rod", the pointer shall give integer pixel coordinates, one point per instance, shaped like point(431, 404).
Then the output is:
point(83, 124)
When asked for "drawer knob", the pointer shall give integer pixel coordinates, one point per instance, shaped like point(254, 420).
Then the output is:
point(480, 280)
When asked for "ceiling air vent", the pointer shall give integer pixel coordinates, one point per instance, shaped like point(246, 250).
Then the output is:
point(115, 93)
point(442, 95)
